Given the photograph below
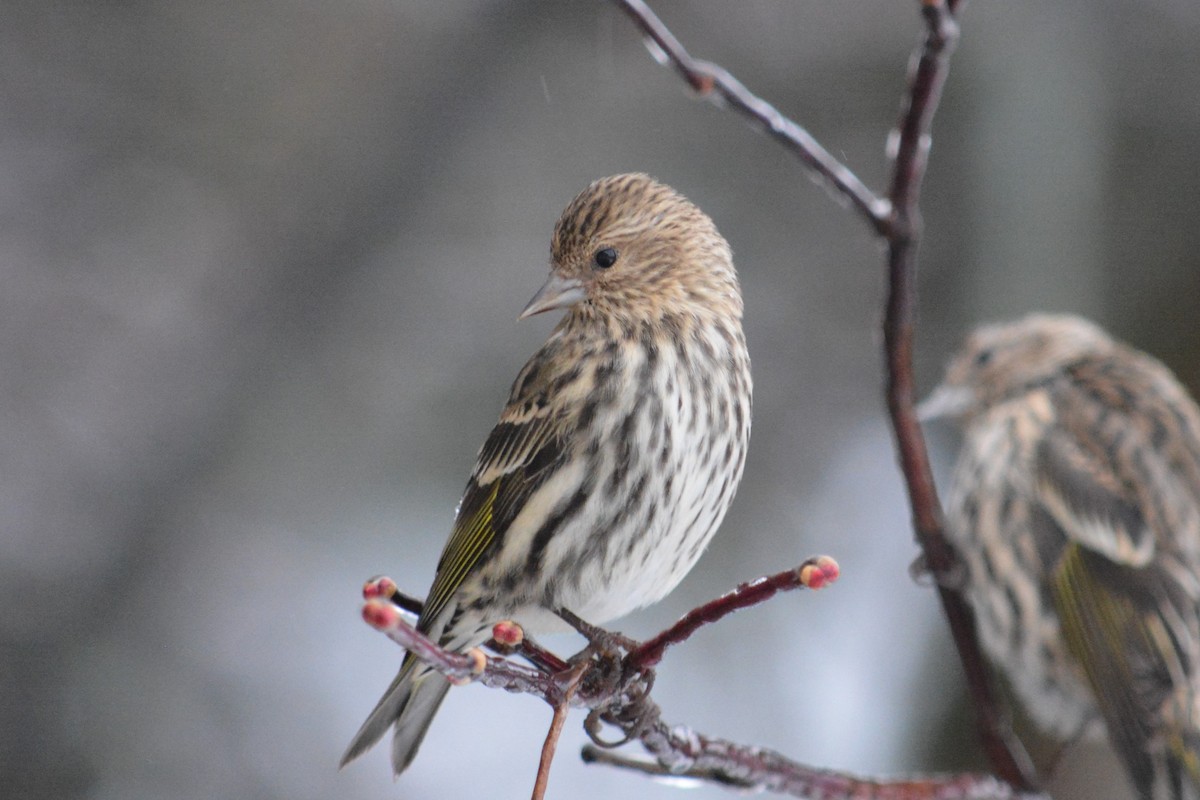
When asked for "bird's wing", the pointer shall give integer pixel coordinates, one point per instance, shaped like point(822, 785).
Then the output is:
point(1126, 602)
point(1093, 505)
point(514, 461)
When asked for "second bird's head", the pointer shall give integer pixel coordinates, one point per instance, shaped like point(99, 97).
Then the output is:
point(1006, 360)
point(631, 247)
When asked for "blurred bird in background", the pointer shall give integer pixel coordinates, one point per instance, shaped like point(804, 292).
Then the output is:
point(618, 452)
point(1075, 506)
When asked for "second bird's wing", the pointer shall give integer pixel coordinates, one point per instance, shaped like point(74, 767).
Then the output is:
point(1126, 602)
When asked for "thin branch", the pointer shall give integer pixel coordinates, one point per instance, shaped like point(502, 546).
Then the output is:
point(556, 725)
point(384, 603)
point(384, 588)
point(709, 79)
point(813, 574)
point(499, 673)
point(926, 81)
point(592, 754)
point(615, 686)
point(694, 756)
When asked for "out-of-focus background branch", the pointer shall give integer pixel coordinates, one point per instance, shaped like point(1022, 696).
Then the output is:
point(261, 265)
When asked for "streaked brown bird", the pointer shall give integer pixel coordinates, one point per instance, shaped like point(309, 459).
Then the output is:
point(618, 452)
point(1076, 507)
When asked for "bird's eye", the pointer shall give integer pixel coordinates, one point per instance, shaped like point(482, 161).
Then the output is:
point(605, 258)
point(984, 357)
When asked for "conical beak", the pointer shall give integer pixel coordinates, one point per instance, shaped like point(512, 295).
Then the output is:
point(945, 401)
point(557, 292)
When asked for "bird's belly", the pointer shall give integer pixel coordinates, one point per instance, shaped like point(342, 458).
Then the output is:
point(648, 554)
point(638, 498)
point(618, 557)
point(661, 491)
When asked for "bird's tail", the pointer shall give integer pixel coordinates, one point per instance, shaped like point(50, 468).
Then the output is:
point(1182, 763)
point(409, 703)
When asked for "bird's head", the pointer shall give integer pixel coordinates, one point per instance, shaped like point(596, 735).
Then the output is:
point(1003, 360)
point(629, 247)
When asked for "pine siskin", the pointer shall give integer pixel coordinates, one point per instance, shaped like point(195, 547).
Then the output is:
point(1076, 507)
point(618, 452)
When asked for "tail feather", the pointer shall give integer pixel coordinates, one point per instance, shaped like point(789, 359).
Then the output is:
point(427, 695)
point(386, 711)
point(409, 704)
point(1183, 765)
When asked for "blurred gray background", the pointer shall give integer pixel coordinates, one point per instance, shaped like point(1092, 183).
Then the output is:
point(261, 264)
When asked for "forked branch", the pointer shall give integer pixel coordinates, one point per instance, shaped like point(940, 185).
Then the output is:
point(713, 81)
point(613, 677)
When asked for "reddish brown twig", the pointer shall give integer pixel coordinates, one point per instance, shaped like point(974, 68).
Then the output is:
point(381, 587)
point(499, 673)
point(458, 667)
point(384, 601)
point(550, 746)
point(615, 686)
point(928, 76)
point(814, 574)
point(384, 588)
point(682, 753)
point(758, 769)
point(709, 79)
point(896, 219)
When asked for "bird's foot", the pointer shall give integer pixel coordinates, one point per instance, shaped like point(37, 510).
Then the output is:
point(599, 639)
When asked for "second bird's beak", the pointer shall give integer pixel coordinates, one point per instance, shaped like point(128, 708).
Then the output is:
point(557, 292)
point(945, 401)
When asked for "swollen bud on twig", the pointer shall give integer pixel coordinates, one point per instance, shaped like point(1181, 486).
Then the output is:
point(478, 665)
point(379, 614)
point(380, 587)
point(508, 633)
point(819, 573)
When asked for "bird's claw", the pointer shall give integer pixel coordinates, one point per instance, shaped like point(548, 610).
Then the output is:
point(601, 640)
